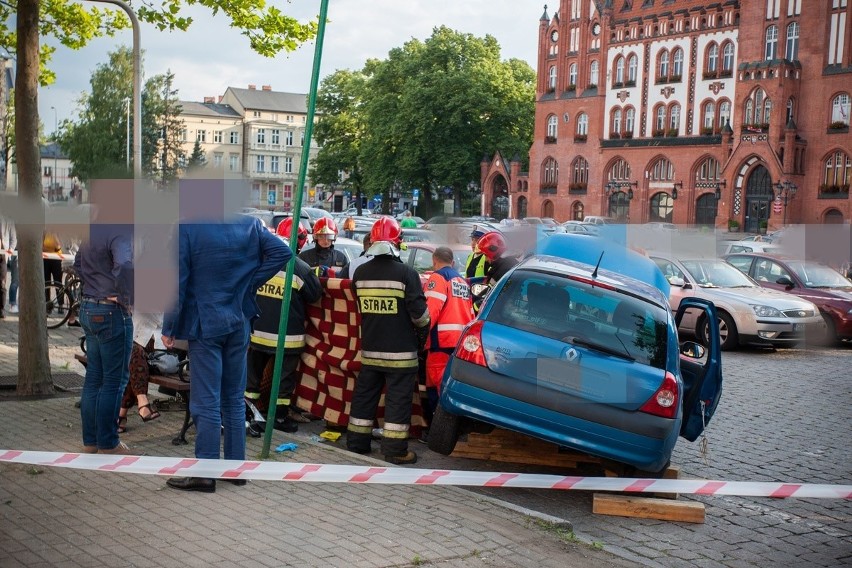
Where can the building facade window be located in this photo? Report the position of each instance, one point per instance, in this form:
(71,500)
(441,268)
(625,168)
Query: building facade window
(790,110)
(552,125)
(578,211)
(580,172)
(616,121)
(708,170)
(629,121)
(217,136)
(583,124)
(663,67)
(791,52)
(273,164)
(551,78)
(572,75)
(276,136)
(594,73)
(288,165)
(660,122)
(620,170)
(288,138)
(217,159)
(712,59)
(234,163)
(661,207)
(260,163)
(677,64)
(758,108)
(840,108)
(632,66)
(728,57)
(550,173)
(201,136)
(838,170)
(771,43)
(661,170)
(234,138)
(838,34)
(724,112)
(674,117)
(619,71)
(261,136)
(287,191)
(708,114)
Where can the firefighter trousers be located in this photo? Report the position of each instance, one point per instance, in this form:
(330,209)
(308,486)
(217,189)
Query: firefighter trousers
(365,400)
(257,362)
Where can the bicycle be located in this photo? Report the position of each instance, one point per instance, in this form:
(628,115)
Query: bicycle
(63,299)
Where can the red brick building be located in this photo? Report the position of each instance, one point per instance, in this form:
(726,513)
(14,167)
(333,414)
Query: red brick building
(688,111)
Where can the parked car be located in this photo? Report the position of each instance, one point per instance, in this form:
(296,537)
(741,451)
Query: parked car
(731,247)
(420,236)
(598,220)
(580,227)
(583,357)
(418,255)
(660,226)
(829,290)
(748,314)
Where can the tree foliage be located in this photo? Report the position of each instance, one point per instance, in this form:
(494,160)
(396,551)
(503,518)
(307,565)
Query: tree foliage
(428,113)
(197,159)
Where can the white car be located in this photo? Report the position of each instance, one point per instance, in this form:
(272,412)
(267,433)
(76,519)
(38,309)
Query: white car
(731,247)
(748,314)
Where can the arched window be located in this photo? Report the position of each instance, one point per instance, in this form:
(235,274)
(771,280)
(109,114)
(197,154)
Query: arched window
(833,217)
(552,123)
(551,81)
(579,172)
(619,71)
(708,114)
(661,207)
(840,108)
(577,211)
(632,65)
(749,111)
(616,121)
(790,109)
(674,116)
(724,112)
(661,117)
(629,120)
(583,124)
(728,57)
(708,170)
(771,44)
(550,173)
(712,58)
(838,170)
(661,170)
(594,71)
(767,110)
(572,74)
(620,171)
(664,65)
(677,64)
(792,51)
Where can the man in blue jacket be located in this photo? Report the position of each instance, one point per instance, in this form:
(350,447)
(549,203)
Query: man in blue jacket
(221,265)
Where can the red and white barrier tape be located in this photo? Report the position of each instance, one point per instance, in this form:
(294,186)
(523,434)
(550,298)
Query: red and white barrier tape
(319,473)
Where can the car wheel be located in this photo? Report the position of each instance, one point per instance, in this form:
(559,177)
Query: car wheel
(444,431)
(828,336)
(728,335)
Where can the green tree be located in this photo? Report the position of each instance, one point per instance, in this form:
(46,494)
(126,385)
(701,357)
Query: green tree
(74,25)
(167,158)
(436,107)
(339,131)
(197,160)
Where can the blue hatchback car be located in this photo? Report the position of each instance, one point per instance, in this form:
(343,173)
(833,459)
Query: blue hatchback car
(577,345)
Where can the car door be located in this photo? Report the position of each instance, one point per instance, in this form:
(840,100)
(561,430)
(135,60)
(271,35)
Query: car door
(701,371)
(767,272)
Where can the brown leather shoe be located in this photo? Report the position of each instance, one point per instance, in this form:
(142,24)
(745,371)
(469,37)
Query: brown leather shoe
(406,459)
(89,450)
(201,484)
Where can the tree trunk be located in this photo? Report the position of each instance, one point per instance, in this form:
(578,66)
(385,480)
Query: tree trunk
(33,361)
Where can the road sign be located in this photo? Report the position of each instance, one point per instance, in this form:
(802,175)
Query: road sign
(414,201)
(416,193)
(270,197)
(776,207)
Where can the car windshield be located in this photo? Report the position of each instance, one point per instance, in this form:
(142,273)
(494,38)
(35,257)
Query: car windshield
(818,276)
(607,321)
(713,273)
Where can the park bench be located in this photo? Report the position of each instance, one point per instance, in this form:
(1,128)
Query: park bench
(172,383)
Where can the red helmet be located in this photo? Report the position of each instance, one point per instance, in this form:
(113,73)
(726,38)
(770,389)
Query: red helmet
(325,226)
(386,229)
(492,245)
(284,228)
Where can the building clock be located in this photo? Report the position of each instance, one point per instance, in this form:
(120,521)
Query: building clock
(596,29)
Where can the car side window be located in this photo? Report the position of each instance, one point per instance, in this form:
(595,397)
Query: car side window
(669,269)
(743,263)
(776,271)
(422,261)
(739,248)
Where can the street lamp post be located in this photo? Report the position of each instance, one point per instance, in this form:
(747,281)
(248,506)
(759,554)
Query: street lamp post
(127,147)
(785,190)
(52,190)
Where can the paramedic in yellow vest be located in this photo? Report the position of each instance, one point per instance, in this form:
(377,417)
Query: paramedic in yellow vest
(477,264)
(264,334)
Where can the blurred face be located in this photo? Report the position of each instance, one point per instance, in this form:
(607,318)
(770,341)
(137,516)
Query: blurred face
(323,241)
(474,241)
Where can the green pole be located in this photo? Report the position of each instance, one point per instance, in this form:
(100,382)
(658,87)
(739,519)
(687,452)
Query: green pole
(294,233)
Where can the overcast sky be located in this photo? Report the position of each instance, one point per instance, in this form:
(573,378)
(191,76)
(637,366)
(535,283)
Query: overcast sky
(211,56)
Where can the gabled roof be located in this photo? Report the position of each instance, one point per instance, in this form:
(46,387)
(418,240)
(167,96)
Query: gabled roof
(208,109)
(254,99)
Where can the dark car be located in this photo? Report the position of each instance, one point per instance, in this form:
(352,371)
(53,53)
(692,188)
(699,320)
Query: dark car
(578,346)
(821,285)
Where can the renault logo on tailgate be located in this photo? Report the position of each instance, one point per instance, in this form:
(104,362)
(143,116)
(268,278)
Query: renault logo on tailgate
(571,355)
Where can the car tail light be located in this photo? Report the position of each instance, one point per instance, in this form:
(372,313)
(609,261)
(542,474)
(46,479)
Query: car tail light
(470,347)
(664,402)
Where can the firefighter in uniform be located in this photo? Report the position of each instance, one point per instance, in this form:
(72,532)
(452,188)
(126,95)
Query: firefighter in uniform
(394,327)
(450,310)
(493,247)
(477,264)
(323,255)
(264,335)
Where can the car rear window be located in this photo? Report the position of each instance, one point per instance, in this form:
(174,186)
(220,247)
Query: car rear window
(560,308)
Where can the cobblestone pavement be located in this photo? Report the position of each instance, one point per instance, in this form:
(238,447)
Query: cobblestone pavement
(61,517)
(784,416)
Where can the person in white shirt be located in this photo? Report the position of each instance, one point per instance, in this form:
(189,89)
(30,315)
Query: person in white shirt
(8,244)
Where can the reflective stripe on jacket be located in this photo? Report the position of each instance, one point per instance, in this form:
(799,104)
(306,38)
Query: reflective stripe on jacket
(450,307)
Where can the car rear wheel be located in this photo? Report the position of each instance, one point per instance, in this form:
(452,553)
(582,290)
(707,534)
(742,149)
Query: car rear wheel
(828,336)
(444,431)
(728,335)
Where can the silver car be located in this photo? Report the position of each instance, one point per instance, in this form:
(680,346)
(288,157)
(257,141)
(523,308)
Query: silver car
(748,314)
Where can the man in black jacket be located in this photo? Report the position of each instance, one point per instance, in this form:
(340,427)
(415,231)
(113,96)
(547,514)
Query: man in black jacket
(394,328)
